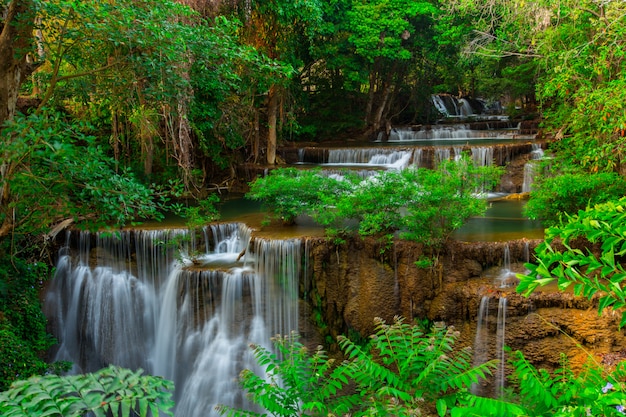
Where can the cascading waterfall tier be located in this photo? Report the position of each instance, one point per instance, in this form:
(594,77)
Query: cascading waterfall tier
(179,304)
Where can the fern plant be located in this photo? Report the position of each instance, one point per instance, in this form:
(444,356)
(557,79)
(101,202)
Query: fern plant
(296,382)
(403,371)
(594,391)
(110,391)
(406,370)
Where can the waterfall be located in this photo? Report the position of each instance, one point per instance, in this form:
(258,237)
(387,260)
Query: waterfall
(417,157)
(465,108)
(458,152)
(181,305)
(482,155)
(506,278)
(481,340)
(500,344)
(388,158)
(441,155)
(526,252)
(530,168)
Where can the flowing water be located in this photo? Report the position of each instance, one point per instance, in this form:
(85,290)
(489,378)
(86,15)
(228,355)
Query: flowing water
(178,305)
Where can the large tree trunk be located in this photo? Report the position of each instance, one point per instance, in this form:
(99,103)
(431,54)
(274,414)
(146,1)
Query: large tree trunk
(16,36)
(15,41)
(272,110)
(378,116)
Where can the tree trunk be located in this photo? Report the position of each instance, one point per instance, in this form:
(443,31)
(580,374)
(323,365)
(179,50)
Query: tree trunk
(15,41)
(370,98)
(376,123)
(272,110)
(16,37)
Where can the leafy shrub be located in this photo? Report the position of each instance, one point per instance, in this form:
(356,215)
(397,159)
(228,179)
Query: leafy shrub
(594,391)
(589,272)
(405,369)
(296,382)
(289,192)
(23,336)
(58,171)
(421,204)
(408,370)
(553,197)
(110,391)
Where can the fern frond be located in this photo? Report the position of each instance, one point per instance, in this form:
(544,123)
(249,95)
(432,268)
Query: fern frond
(464,378)
(489,407)
(535,385)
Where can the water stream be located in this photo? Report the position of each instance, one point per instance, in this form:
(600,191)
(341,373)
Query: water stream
(181,306)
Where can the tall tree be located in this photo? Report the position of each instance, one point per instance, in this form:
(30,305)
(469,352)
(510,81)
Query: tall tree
(577,49)
(17,19)
(381,33)
(279,28)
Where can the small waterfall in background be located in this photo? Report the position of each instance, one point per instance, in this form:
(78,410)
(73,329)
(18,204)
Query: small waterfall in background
(441,155)
(181,305)
(482,155)
(530,168)
(386,158)
(458,152)
(506,278)
(417,157)
(490,342)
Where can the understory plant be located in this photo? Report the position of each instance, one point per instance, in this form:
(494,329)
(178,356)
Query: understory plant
(411,370)
(587,253)
(110,391)
(289,192)
(423,205)
(404,370)
(555,196)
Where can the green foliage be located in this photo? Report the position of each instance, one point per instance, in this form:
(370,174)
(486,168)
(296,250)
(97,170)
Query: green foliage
(421,204)
(555,196)
(593,391)
(412,371)
(566,256)
(584,82)
(110,391)
(23,336)
(203,213)
(402,372)
(289,192)
(408,370)
(296,383)
(378,27)
(58,172)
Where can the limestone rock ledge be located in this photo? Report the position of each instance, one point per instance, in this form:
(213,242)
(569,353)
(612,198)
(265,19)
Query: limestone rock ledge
(349,285)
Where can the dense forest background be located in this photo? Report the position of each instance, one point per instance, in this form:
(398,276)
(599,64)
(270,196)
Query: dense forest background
(120,110)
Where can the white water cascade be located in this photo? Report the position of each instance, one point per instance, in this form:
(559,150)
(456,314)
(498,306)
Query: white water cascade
(371,157)
(481,345)
(178,305)
(500,344)
(488,344)
(530,168)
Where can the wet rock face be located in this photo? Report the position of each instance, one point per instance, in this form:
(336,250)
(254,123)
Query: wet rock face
(352,284)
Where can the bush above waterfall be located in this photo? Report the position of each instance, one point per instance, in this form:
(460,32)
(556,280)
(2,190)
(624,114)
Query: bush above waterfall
(554,197)
(422,205)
